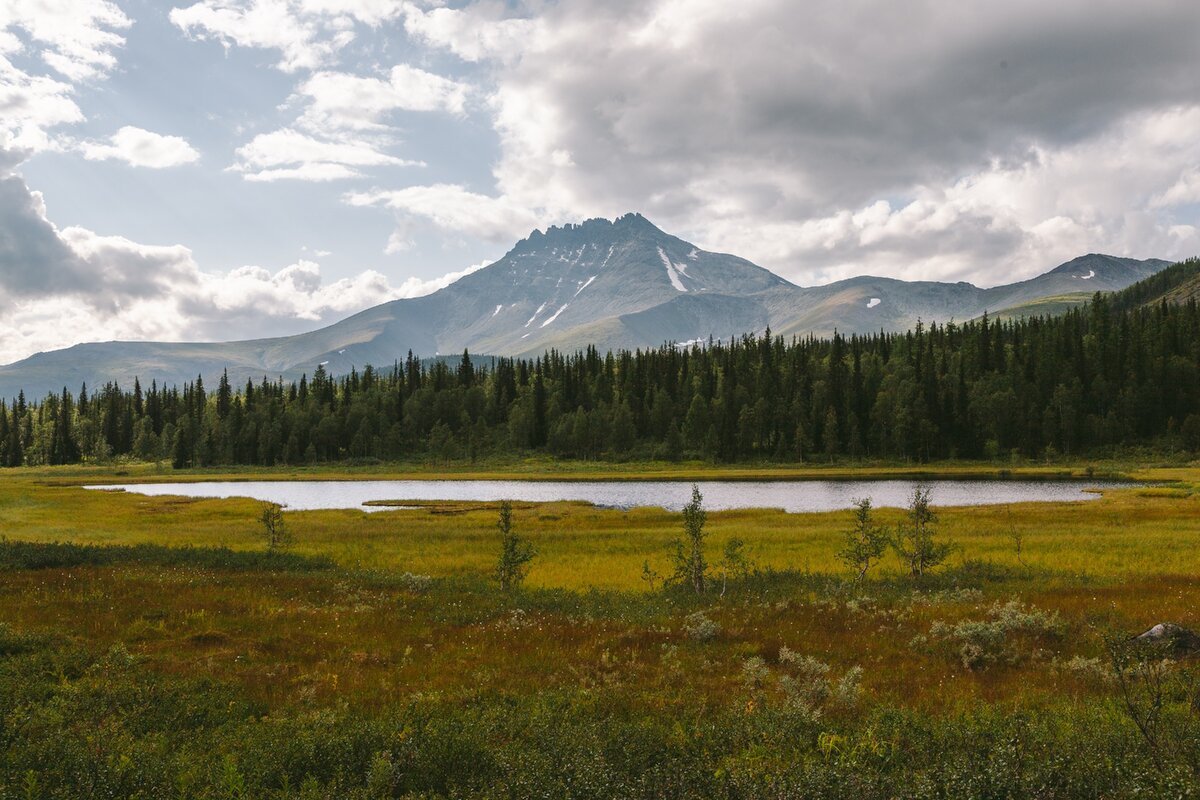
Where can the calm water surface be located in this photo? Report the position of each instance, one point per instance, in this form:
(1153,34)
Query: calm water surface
(792,496)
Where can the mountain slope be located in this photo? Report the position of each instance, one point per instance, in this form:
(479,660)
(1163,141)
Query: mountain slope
(619,284)
(1178,283)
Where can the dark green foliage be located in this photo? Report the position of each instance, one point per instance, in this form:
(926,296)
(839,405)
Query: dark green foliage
(37,555)
(82,724)
(1123,371)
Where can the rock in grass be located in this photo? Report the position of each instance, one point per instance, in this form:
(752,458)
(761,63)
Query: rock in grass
(1181,642)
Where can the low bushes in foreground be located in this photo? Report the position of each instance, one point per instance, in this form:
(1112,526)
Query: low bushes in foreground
(80,724)
(16,555)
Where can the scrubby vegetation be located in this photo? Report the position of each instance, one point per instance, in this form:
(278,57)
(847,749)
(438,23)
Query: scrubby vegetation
(157,647)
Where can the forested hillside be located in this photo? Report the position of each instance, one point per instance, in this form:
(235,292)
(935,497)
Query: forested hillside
(1124,370)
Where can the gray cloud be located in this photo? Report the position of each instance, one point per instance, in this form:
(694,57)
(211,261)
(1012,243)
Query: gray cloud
(1002,136)
(830,104)
(33,259)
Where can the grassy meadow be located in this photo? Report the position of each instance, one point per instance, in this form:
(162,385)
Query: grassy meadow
(151,647)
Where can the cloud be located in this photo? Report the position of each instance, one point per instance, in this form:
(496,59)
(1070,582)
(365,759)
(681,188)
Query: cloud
(29,243)
(1183,191)
(58,288)
(341,101)
(142,148)
(304,42)
(76,38)
(345,125)
(307,33)
(418,287)
(817,141)
(453,208)
(485,31)
(290,154)
(30,106)
(369,12)
(1009,221)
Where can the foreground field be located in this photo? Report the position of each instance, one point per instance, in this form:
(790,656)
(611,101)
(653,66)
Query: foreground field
(163,653)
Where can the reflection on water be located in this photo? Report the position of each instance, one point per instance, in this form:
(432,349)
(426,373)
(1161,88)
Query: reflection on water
(792,496)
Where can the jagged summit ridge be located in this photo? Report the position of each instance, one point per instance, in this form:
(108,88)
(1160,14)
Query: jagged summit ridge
(593,229)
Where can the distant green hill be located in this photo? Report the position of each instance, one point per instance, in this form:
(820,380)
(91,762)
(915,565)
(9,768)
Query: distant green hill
(1178,283)
(1050,306)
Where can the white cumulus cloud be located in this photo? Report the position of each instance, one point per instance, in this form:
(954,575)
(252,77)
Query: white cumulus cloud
(339,100)
(303,41)
(142,148)
(453,208)
(290,154)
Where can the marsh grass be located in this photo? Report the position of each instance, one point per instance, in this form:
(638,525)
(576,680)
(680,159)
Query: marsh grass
(378,658)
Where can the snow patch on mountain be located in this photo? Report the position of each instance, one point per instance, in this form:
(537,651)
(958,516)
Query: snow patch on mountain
(585,285)
(556,313)
(540,309)
(497,311)
(874,301)
(672,273)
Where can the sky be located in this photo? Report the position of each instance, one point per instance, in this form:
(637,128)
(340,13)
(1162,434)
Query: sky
(229,169)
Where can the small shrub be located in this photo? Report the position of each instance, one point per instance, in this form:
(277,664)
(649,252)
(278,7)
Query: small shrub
(808,686)
(997,639)
(1089,669)
(865,542)
(944,596)
(755,674)
(915,541)
(734,562)
(650,576)
(414,583)
(699,628)
(515,553)
(278,535)
(691,568)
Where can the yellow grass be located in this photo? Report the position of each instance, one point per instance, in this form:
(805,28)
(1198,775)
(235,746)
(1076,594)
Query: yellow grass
(1126,560)
(1127,533)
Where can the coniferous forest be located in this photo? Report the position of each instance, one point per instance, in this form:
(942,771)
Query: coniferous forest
(1116,373)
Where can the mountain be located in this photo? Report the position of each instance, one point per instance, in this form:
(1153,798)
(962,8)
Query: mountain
(1178,283)
(618,284)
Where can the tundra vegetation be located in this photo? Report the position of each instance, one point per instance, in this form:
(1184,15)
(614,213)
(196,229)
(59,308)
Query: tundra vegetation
(158,647)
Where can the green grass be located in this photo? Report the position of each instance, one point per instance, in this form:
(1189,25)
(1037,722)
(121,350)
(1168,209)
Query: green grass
(1128,533)
(550,469)
(1050,306)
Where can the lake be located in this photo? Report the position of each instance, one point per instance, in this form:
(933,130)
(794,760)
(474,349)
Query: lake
(792,496)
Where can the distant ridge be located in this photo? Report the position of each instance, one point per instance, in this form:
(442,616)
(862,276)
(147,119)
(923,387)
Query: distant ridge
(1178,283)
(619,284)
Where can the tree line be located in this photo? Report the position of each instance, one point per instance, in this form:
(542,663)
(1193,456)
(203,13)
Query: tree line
(1101,377)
